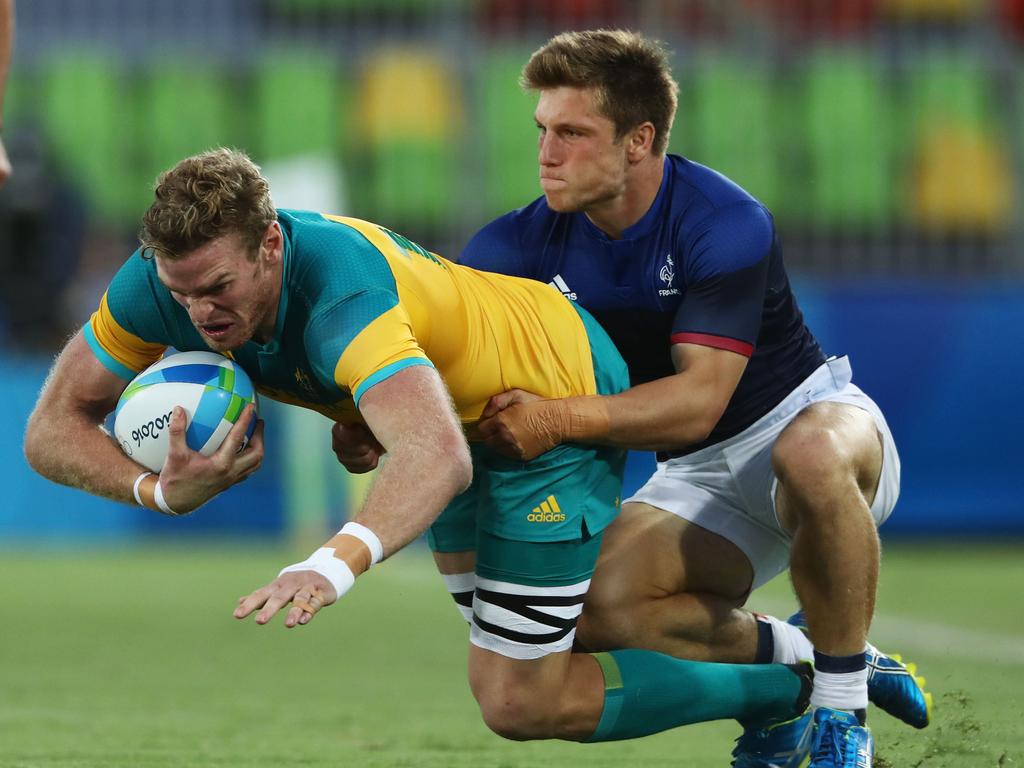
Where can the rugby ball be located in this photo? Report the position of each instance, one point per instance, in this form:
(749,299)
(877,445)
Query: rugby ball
(212,389)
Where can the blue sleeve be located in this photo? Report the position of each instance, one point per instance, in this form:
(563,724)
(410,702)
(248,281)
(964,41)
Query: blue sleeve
(726,274)
(497,248)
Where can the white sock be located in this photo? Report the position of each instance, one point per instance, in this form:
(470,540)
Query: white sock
(843,690)
(791,644)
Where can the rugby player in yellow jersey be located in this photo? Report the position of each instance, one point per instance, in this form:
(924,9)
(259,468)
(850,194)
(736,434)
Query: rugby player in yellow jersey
(357,322)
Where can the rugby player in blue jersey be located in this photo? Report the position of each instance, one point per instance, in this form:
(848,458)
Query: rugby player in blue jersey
(769,457)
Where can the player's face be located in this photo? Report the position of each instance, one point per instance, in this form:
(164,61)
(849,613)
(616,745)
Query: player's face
(582,166)
(230,297)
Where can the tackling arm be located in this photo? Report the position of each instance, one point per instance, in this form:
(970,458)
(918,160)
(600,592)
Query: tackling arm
(668,413)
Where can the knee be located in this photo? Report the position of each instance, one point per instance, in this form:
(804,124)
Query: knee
(513,712)
(809,458)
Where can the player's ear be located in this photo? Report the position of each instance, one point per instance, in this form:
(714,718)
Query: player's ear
(272,244)
(640,142)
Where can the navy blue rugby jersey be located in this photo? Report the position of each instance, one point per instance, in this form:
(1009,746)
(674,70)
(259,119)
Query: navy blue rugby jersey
(703,266)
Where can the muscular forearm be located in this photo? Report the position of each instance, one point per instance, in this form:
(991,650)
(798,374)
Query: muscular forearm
(658,416)
(95,463)
(413,484)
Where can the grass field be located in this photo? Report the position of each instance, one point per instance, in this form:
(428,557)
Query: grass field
(133,659)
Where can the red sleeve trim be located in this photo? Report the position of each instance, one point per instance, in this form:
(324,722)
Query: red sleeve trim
(718,342)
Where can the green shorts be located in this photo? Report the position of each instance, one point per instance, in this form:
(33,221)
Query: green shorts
(539,522)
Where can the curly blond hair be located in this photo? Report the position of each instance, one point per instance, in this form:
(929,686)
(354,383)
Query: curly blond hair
(630,73)
(214,193)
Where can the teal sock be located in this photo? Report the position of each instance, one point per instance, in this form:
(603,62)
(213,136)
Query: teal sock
(647,692)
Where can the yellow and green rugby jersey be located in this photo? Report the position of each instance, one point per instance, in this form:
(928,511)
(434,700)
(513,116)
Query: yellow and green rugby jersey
(359,303)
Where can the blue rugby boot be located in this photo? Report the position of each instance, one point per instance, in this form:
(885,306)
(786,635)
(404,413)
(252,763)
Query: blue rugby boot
(779,745)
(838,740)
(893,686)
(782,745)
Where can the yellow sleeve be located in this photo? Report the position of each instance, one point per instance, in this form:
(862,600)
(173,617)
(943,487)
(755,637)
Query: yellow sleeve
(122,353)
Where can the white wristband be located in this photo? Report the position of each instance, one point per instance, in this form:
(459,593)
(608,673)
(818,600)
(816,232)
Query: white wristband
(334,569)
(158,497)
(368,537)
(135,488)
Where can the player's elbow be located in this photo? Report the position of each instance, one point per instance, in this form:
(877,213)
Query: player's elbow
(700,430)
(37,443)
(456,459)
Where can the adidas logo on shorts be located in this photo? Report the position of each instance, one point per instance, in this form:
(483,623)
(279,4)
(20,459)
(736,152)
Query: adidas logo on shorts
(547,512)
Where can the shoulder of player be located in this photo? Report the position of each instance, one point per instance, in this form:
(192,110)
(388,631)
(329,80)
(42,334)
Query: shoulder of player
(702,191)
(137,278)
(506,243)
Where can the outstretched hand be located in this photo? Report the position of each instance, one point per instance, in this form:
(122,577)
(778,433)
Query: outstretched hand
(307,591)
(189,479)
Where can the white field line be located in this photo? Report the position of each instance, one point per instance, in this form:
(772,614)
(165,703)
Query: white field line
(890,633)
(908,636)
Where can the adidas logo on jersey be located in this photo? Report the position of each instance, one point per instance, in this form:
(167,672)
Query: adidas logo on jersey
(560,285)
(547,512)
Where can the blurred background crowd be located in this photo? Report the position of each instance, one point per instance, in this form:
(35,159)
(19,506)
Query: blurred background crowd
(887,137)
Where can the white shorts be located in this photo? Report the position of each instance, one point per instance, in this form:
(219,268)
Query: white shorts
(729,488)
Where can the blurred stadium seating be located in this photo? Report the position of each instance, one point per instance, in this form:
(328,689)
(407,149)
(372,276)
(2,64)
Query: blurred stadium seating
(888,127)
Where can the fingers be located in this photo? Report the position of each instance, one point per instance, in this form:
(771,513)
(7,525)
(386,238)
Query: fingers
(497,403)
(306,598)
(176,432)
(249,603)
(235,439)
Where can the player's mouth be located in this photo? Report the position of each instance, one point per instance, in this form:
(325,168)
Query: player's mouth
(215,331)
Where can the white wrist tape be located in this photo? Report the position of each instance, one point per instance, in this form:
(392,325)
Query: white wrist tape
(158,497)
(330,567)
(368,537)
(135,488)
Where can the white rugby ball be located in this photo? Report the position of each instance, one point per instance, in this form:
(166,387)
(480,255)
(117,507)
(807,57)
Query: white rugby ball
(212,389)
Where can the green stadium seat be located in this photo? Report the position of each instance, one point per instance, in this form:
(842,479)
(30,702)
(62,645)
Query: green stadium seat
(85,116)
(188,108)
(850,143)
(509,132)
(729,124)
(409,114)
(297,106)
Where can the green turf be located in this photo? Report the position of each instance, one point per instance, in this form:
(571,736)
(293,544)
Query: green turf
(133,659)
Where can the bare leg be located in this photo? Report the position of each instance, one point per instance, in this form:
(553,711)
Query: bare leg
(665,584)
(828,461)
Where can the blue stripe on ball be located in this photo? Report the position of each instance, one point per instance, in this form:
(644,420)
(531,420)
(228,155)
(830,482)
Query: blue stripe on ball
(207,417)
(192,373)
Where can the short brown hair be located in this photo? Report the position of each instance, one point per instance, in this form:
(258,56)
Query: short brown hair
(630,72)
(214,193)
